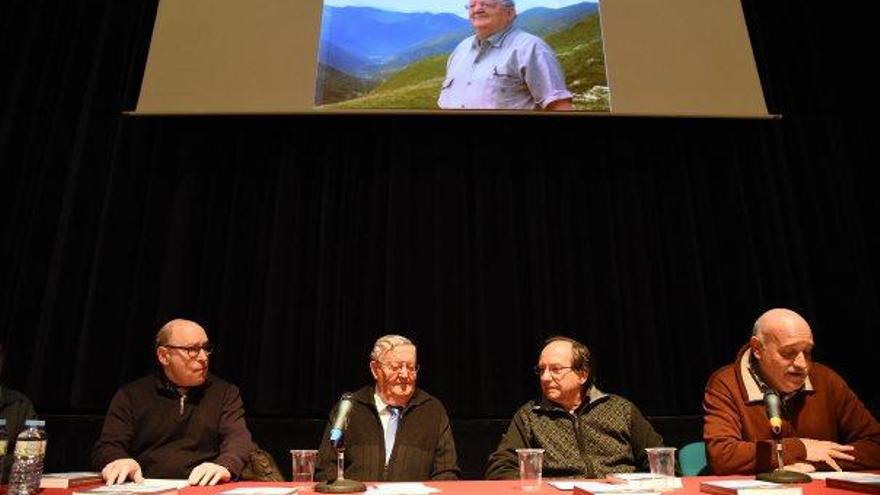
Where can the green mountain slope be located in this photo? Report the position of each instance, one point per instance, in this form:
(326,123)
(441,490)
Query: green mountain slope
(334,85)
(415,86)
(579,51)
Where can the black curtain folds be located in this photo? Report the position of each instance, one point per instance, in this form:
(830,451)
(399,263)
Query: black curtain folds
(299,240)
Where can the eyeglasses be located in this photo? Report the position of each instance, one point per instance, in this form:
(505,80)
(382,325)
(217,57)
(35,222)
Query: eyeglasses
(192,351)
(483,5)
(398,367)
(555,372)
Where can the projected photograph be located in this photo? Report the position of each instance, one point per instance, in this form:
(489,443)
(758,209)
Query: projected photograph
(461,54)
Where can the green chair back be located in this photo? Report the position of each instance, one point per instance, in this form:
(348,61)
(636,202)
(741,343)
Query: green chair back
(692,459)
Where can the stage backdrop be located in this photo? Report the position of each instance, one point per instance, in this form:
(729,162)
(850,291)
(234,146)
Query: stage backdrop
(297,241)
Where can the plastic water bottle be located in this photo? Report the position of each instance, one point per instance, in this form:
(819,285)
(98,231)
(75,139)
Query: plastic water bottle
(3,443)
(27,465)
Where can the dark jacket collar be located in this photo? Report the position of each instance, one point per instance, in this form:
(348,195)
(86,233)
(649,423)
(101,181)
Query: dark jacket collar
(594,396)
(167,388)
(364,395)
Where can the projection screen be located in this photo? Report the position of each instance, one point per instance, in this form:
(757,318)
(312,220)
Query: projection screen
(650,57)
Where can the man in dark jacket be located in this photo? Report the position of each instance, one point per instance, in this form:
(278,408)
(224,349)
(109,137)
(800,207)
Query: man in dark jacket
(396,432)
(584,432)
(181,422)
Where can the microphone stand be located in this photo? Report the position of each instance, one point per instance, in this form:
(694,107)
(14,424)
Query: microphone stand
(340,484)
(781,475)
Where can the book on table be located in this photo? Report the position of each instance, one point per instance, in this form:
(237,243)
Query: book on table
(70,479)
(821,475)
(748,487)
(860,482)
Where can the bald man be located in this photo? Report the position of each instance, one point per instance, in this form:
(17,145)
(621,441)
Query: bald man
(180,422)
(825,425)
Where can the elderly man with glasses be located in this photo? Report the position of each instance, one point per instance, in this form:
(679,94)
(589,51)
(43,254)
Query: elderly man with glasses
(502,66)
(585,433)
(180,422)
(396,431)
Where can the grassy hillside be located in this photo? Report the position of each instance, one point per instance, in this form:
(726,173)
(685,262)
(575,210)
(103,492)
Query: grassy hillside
(579,51)
(415,86)
(335,86)
(578,48)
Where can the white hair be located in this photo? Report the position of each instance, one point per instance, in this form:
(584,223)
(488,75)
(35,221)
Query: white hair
(386,343)
(758,330)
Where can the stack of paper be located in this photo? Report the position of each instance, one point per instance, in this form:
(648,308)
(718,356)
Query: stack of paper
(401,489)
(648,481)
(148,487)
(261,490)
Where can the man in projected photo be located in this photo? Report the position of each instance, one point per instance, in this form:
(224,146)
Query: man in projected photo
(502,66)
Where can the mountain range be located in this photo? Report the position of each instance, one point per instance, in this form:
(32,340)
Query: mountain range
(362,40)
(366,41)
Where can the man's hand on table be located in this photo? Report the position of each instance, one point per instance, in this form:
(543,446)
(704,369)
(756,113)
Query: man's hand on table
(827,452)
(208,473)
(120,470)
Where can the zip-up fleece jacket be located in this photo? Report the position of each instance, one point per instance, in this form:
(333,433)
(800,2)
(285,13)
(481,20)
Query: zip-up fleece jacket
(169,434)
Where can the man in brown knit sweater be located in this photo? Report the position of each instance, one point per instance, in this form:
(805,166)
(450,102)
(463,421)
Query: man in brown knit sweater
(396,431)
(825,425)
(584,432)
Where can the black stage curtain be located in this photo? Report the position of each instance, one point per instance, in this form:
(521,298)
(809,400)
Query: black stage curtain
(299,240)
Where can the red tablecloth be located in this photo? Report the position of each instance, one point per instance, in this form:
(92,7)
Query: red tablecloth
(691,487)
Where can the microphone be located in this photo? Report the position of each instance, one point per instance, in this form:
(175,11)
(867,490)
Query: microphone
(343,408)
(780,474)
(340,484)
(774,410)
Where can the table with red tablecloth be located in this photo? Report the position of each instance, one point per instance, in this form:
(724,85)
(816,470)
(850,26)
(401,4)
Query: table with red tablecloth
(691,487)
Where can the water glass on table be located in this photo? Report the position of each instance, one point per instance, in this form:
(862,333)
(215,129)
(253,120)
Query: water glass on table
(530,467)
(303,464)
(661,460)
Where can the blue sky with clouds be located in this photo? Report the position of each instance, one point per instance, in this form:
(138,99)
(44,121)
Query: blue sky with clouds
(438,6)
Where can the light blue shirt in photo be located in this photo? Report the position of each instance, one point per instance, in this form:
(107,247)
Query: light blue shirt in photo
(511,69)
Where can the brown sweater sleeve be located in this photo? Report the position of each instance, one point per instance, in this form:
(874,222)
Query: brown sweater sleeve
(235,444)
(116,433)
(857,427)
